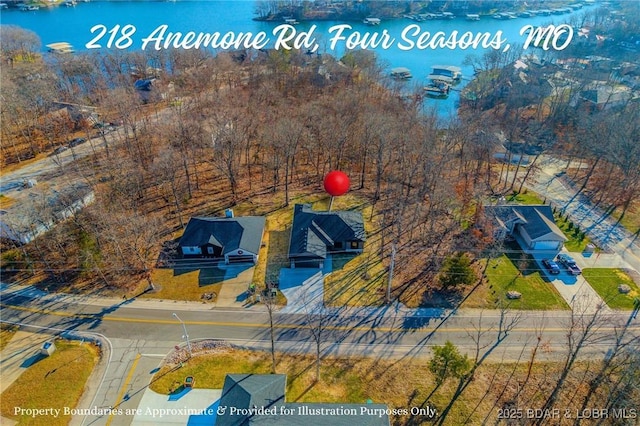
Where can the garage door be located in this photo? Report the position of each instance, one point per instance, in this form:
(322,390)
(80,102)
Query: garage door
(307,264)
(241,259)
(546,245)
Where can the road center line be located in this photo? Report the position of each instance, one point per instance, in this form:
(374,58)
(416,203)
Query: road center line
(124,386)
(432,329)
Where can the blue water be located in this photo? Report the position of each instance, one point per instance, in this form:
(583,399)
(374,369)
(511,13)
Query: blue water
(74,24)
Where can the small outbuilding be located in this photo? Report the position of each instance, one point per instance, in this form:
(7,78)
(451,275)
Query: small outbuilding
(48,348)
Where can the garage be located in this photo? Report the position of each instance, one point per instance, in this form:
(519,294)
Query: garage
(307,263)
(241,259)
(546,245)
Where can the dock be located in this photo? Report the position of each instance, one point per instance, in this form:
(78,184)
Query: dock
(60,47)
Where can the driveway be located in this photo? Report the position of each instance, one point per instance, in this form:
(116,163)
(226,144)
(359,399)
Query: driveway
(600,227)
(575,290)
(237,278)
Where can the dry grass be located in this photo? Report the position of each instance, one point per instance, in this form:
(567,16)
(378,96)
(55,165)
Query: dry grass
(8,168)
(361,281)
(6,334)
(631,219)
(5,202)
(174,284)
(53,382)
(357,280)
(400,384)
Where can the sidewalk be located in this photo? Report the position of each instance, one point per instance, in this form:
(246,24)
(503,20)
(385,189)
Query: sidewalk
(16,357)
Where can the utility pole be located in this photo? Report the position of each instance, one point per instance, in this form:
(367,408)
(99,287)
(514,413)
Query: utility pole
(393,262)
(186,335)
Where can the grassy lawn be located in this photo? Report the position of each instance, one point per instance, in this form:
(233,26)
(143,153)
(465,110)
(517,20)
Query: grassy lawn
(577,239)
(515,271)
(525,197)
(358,280)
(347,380)
(399,383)
(184,284)
(605,282)
(56,381)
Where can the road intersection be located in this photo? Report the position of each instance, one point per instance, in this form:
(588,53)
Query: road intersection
(137,335)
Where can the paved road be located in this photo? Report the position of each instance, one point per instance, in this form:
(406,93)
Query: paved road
(141,332)
(600,227)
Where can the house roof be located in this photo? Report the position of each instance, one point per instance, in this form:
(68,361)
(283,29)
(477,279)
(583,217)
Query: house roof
(536,220)
(602,93)
(264,391)
(245,391)
(228,233)
(313,231)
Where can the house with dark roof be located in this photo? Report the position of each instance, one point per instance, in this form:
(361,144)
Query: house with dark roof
(234,239)
(532,226)
(315,234)
(259,399)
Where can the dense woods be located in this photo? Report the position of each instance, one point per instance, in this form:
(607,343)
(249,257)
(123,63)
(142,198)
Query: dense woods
(208,131)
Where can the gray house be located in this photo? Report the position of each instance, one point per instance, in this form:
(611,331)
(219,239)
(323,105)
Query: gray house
(314,234)
(42,210)
(259,399)
(234,239)
(532,226)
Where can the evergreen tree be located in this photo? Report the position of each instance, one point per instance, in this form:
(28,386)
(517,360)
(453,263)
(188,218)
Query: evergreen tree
(448,362)
(457,270)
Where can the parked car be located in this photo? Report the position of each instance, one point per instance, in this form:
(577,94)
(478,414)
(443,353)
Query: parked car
(59,150)
(105,127)
(565,259)
(569,263)
(573,269)
(551,266)
(76,142)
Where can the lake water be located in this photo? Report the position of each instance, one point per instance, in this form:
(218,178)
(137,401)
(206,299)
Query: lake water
(74,24)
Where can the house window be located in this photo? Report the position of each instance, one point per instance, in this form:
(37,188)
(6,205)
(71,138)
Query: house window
(355,245)
(210,250)
(338,245)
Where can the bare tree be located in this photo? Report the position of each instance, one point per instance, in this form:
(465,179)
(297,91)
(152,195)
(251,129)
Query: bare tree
(582,329)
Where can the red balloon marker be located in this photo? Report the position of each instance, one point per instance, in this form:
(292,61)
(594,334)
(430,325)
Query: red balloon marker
(336,183)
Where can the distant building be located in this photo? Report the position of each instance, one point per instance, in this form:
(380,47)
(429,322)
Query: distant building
(42,211)
(314,234)
(603,95)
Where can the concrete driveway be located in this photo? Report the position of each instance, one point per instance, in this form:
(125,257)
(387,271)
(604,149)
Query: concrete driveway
(575,290)
(304,288)
(236,281)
